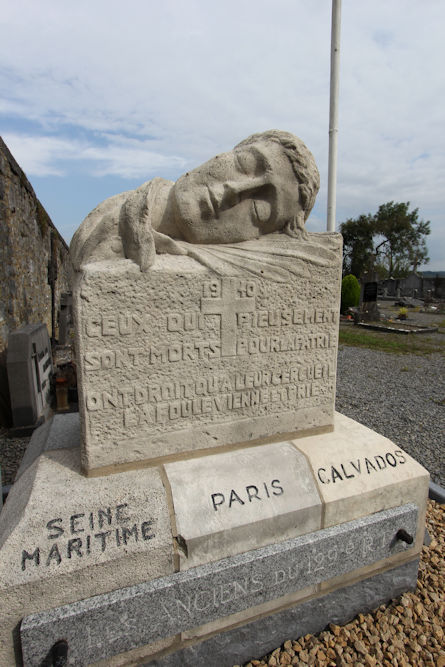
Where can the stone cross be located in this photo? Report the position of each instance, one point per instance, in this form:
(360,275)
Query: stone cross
(228,306)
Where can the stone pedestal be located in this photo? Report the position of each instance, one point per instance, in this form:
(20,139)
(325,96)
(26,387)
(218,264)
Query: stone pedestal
(189,358)
(205,560)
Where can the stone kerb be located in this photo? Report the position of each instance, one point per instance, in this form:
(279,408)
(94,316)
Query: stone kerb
(183,359)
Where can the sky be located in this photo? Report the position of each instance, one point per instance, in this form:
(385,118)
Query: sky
(98,96)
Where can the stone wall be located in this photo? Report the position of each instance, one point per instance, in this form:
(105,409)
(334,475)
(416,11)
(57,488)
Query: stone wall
(34,265)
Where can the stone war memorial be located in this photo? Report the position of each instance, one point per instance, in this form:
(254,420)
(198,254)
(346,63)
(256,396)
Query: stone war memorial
(207,502)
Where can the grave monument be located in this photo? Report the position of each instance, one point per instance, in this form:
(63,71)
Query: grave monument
(208,503)
(369,311)
(29,365)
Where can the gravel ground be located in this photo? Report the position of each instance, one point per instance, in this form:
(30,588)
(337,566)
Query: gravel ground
(401,396)
(11,454)
(407,631)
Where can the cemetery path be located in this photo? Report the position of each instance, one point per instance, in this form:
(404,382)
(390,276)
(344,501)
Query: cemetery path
(400,396)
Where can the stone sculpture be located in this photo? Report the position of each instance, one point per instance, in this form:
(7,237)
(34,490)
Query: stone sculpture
(266,184)
(209,268)
(223,503)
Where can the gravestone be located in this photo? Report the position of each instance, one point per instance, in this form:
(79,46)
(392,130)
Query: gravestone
(210,501)
(29,365)
(368,298)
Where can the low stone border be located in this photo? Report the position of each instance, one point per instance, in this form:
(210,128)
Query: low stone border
(437,493)
(389,329)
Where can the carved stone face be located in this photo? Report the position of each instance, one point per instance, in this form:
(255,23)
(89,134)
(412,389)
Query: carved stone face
(240,195)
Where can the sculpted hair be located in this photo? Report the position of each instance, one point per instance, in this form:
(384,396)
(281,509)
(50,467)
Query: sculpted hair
(301,159)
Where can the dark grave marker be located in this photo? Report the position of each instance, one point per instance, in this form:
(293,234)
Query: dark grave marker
(370,292)
(30,367)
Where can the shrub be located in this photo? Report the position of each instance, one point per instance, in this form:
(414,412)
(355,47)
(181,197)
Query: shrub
(350,292)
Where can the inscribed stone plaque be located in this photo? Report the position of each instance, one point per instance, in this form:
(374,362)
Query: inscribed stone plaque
(71,523)
(237,501)
(184,357)
(359,471)
(30,367)
(124,619)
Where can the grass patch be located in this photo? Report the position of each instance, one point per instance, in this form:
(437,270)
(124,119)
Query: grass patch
(394,343)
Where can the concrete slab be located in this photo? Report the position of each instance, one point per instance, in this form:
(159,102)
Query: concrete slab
(51,556)
(229,503)
(64,537)
(358,472)
(60,432)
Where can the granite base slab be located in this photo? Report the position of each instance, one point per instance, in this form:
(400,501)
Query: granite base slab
(255,639)
(158,609)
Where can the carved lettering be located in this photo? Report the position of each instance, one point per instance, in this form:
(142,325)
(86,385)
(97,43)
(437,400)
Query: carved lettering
(34,556)
(199,396)
(227,307)
(354,468)
(250,493)
(208,351)
(114,531)
(116,324)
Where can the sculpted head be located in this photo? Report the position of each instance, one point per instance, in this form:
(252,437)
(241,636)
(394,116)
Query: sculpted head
(267,183)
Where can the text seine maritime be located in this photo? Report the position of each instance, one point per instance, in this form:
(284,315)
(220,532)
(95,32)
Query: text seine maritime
(86,533)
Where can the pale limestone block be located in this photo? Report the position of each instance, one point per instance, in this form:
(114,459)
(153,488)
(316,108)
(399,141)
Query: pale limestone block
(70,522)
(186,358)
(229,503)
(64,537)
(359,472)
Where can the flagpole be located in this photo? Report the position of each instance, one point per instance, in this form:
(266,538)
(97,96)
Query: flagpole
(333,114)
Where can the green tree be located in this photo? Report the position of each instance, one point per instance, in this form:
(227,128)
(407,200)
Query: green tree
(358,244)
(402,244)
(350,292)
(391,242)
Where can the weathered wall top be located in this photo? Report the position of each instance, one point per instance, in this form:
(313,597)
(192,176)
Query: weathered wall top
(34,263)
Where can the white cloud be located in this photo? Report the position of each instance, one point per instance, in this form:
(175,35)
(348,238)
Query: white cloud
(137,88)
(40,155)
(50,156)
